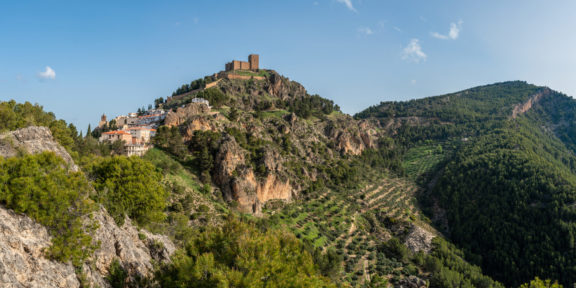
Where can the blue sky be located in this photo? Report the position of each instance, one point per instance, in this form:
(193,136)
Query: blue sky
(80,59)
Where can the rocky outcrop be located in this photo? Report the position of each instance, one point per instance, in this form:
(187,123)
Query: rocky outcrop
(33,140)
(239,182)
(22,264)
(135,249)
(411,282)
(274,188)
(524,107)
(283,88)
(419,240)
(182,114)
(352,137)
(23,241)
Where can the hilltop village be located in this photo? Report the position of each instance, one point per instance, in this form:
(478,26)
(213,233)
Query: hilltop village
(136,129)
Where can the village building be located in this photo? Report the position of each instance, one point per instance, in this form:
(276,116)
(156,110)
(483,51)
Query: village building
(118,135)
(136,149)
(201,101)
(141,134)
(150,120)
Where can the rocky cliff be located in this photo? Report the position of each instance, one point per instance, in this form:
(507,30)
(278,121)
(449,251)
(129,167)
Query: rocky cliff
(273,154)
(23,241)
(33,140)
(524,107)
(239,182)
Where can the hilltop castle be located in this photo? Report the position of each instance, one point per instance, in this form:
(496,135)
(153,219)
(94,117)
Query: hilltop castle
(252,64)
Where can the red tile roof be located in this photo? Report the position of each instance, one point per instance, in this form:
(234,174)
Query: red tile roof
(120,132)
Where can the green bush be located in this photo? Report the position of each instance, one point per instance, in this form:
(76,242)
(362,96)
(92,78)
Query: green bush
(117,275)
(41,187)
(239,255)
(129,186)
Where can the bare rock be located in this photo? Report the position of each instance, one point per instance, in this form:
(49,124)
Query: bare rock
(23,241)
(183,113)
(33,140)
(239,182)
(412,282)
(125,244)
(22,264)
(419,240)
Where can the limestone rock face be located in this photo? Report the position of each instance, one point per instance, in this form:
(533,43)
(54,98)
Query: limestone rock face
(352,137)
(124,243)
(419,240)
(283,88)
(34,140)
(22,263)
(23,241)
(182,114)
(524,107)
(239,182)
(412,282)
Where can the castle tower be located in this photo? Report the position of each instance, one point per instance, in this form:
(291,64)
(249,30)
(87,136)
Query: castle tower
(254,60)
(103,121)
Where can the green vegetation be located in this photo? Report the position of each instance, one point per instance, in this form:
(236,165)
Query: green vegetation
(311,105)
(117,275)
(506,188)
(170,139)
(41,187)
(261,73)
(448,268)
(240,255)
(129,186)
(194,85)
(419,162)
(538,283)
(507,183)
(14,116)
(214,95)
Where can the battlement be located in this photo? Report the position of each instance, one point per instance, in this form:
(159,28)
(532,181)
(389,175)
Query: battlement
(252,64)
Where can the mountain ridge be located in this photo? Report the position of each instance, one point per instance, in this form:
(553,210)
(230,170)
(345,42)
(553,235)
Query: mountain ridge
(356,192)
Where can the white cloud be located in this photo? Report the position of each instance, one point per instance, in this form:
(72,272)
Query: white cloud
(348,4)
(397,29)
(365,31)
(413,52)
(49,73)
(413,82)
(453,34)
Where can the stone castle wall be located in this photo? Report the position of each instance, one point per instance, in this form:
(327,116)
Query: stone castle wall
(242,77)
(252,64)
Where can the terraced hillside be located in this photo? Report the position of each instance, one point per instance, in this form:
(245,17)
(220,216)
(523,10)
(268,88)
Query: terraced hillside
(354,223)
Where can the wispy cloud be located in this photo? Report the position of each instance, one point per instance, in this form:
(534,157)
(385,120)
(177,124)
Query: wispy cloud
(365,31)
(49,73)
(348,4)
(453,34)
(413,52)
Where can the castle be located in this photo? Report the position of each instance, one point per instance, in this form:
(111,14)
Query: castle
(252,64)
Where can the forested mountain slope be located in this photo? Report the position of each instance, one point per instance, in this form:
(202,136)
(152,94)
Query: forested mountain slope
(505,186)
(273,186)
(301,165)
